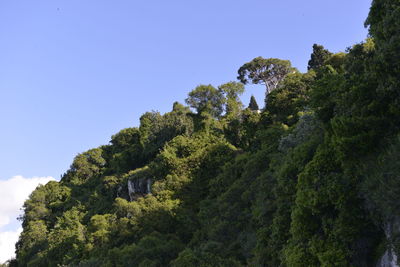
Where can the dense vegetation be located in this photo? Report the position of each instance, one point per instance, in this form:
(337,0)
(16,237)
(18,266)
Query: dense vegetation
(309,180)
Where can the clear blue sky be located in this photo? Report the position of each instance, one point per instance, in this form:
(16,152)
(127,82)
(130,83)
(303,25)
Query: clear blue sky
(74,72)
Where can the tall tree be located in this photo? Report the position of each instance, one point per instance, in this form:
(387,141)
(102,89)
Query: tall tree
(318,57)
(253,104)
(267,71)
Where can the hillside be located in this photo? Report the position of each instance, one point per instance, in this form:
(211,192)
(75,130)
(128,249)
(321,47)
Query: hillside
(310,179)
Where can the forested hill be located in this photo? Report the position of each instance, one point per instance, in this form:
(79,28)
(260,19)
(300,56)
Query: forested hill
(308,178)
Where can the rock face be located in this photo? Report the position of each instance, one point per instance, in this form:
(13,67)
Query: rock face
(389,258)
(138,188)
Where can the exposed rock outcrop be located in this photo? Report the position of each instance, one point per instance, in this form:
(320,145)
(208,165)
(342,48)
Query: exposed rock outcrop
(389,258)
(138,188)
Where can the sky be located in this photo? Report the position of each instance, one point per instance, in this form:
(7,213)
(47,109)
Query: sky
(73,72)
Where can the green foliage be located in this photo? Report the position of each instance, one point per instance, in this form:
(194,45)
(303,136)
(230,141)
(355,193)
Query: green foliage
(297,155)
(384,24)
(156,130)
(336,61)
(267,71)
(99,229)
(201,258)
(253,104)
(126,150)
(207,99)
(380,187)
(67,239)
(312,180)
(85,166)
(286,103)
(234,111)
(318,57)
(325,92)
(381,179)
(232,91)
(153,250)
(306,125)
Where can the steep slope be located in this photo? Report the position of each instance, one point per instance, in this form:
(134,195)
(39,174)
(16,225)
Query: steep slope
(311,180)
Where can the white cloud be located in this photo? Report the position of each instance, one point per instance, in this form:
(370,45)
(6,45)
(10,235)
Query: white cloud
(7,244)
(13,193)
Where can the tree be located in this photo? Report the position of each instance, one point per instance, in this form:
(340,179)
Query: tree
(232,91)
(126,150)
(318,57)
(337,61)
(290,99)
(253,104)
(206,98)
(125,138)
(156,129)
(85,166)
(267,71)
(179,108)
(384,24)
